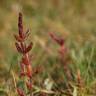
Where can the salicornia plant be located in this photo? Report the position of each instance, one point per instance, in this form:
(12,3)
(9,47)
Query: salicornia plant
(25,64)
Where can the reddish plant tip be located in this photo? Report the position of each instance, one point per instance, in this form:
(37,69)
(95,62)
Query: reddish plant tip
(20,25)
(61,42)
(20,18)
(57,39)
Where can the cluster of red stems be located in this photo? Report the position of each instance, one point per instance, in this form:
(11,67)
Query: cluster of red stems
(23,48)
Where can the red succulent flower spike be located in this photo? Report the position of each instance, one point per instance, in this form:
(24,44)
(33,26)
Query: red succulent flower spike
(60,41)
(20,25)
(20,92)
(25,65)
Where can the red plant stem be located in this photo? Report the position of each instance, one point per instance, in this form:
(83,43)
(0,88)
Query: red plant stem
(62,52)
(22,48)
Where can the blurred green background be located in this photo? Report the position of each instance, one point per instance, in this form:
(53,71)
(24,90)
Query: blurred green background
(75,20)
